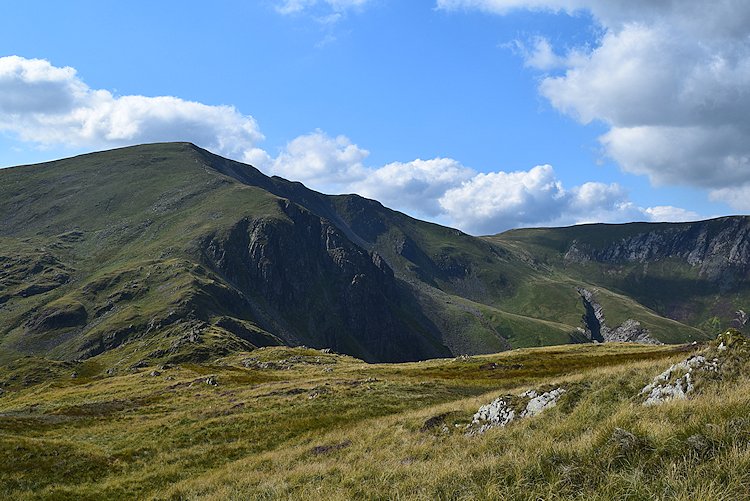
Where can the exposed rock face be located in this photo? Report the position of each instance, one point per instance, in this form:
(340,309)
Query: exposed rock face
(719,248)
(630,331)
(316,287)
(593,319)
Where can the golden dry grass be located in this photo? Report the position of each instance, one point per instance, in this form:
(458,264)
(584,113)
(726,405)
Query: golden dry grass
(331,427)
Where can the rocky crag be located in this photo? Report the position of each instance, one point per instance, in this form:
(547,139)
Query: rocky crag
(697,273)
(597,330)
(719,249)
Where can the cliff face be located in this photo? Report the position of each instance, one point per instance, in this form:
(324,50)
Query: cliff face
(697,273)
(597,330)
(719,250)
(313,286)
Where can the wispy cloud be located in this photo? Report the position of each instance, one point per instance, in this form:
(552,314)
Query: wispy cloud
(330,10)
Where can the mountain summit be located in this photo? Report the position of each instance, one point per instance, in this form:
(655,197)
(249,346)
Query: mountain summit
(169,252)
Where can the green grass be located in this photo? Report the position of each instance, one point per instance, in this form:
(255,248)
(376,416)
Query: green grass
(122,226)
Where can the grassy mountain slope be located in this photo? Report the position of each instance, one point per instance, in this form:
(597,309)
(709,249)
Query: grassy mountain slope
(442,267)
(150,299)
(448,268)
(695,273)
(280,423)
(152,245)
(169,252)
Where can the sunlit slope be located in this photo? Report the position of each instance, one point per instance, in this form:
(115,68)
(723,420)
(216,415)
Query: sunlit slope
(154,244)
(281,423)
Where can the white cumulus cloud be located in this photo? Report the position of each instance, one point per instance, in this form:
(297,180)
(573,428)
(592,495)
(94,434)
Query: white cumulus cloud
(671,214)
(48,105)
(496,201)
(505,199)
(415,187)
(328,163)
(444,190)
(669,79)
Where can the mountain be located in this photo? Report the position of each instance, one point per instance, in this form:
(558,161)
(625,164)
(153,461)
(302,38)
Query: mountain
(167,252)
(696,273)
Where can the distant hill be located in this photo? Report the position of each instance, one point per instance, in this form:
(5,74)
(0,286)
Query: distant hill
(166,252)
(696,273)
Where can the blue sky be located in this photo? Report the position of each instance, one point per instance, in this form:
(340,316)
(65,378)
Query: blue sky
(480,114)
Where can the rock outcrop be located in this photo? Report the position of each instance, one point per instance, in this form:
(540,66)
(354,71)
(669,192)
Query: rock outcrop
(540,402)
(677,382)
(596,329)
(719,361)
(496,413)
(313,286)
(502,411)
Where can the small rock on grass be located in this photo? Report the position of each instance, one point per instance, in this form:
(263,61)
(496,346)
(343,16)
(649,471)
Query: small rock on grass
(324,449)
(500,412)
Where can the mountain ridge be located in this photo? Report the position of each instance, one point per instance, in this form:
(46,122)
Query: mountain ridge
(168,251)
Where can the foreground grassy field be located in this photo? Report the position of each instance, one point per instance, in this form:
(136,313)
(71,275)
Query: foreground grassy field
(295,423)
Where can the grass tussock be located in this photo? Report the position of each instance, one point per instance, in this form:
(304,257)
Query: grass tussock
(285,423)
